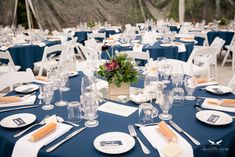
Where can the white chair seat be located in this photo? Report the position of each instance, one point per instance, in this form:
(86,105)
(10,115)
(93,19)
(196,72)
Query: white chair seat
(6,69)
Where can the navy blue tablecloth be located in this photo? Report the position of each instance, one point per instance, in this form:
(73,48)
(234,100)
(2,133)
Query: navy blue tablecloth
(26,55)
(82,144)
(227,36)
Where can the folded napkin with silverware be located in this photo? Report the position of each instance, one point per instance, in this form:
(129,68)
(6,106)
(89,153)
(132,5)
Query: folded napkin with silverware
(10,101)
(30,144)
(219,104)
(167,141)
(204,81)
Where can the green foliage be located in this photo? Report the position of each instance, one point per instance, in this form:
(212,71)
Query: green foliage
(223,21)
(118,70)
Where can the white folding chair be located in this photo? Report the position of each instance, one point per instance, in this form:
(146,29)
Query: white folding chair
(229,48)
(48,59)
(12,78)
(218,44)
(205,65)
(10,67)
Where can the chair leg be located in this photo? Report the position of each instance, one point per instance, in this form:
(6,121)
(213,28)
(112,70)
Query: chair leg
(225,58)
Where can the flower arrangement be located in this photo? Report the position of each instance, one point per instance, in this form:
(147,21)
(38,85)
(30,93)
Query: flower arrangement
(119,69)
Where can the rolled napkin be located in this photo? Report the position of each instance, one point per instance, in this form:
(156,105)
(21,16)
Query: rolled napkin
(9,99)
(42,78)
(17,101)
(202,80)
(227,105)
(43,131)
(24,147)
(167,132)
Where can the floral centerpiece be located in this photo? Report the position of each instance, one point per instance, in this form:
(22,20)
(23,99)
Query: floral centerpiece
(118,71)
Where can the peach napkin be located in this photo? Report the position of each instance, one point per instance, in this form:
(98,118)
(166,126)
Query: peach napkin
(167,132)
(202,80)
(9,99)
(42,78)
(227,105)
(43,131)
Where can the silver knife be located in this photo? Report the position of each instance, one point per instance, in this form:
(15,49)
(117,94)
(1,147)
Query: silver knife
(181,130)
(66,139)
(18,108)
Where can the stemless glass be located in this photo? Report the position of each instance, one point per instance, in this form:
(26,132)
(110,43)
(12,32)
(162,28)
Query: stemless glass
(150,86)
(177,76)
(63,78)
(190,84)
(48,93)
(165,104)
(89,101)
(167,71)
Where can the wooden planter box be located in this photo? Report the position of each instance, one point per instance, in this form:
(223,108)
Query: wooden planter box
(114,91)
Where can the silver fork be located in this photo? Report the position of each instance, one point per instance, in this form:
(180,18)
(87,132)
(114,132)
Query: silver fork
(134,134)
(36,124)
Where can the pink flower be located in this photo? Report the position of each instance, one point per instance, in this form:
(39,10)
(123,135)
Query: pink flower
(111,66)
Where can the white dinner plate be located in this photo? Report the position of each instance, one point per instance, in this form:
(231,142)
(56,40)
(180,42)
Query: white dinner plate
(219,90)
(27,88)
(214,117)
(18,120)
(125,45)
(114,142)
(73,73)
(165,45)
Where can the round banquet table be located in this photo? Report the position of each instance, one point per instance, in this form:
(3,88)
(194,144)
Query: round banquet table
(226,35)
(156,51)
(26,55)
(82,144)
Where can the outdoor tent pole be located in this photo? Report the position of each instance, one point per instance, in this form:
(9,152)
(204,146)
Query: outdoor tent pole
(14,16)
(28,14)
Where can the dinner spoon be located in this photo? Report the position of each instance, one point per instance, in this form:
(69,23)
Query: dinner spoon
(61,120)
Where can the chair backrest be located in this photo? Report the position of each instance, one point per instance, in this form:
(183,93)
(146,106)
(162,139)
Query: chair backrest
(6,55)
(218,44)
(12,78)
(232,82)
(93,44)
(205,51)
(89,53)
(96,35)
(48,54)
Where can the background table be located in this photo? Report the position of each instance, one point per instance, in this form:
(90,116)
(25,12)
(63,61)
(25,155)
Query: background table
(226,35)
(156,51)
(82,144)
(26,55)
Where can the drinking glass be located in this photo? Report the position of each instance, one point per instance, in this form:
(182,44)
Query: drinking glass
(89,101)
(63,78)
(150,86)
(165,104)
(190,84)
(177,76)
(161,61)
(47,95)
(167,72)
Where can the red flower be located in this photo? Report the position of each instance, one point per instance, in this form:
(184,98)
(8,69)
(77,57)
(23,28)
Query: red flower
(110,66)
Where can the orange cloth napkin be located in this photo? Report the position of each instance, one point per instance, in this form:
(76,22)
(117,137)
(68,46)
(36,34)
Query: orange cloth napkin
(223,102)
(9,99)
(166,131)
(202,80)
(42,78)
(43,132)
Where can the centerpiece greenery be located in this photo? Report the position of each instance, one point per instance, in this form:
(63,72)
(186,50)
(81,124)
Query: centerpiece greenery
(119,69)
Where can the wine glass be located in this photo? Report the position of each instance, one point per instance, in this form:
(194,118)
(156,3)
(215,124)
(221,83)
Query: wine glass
(47,95)
(167,71)
(150,86)
(89,101)
(63,78)
(190,84)
(165,104)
